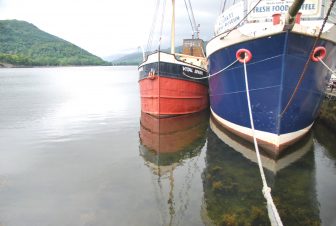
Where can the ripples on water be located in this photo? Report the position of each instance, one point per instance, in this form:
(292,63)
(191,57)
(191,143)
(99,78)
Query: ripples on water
(76,150)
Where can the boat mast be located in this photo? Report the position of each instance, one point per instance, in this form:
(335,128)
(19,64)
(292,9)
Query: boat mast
(292,11)
(172,45)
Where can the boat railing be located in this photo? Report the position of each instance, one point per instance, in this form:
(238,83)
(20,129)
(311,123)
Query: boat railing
(189,56)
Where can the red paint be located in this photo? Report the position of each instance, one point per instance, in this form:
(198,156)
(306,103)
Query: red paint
(170,96)
(318,54)
(276,18)
(243,55)
(298,18)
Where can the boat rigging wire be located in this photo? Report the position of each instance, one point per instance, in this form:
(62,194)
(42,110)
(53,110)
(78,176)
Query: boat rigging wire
(191,17)
(274,218)
(222,5)
(162,21)
(191,24)
(308,60)
(150,38)
(154,23)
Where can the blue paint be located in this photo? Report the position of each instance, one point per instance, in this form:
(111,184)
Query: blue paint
(273,73)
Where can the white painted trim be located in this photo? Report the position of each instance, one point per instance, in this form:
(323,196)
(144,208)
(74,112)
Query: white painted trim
(271,138)
(251,31)
(168,58)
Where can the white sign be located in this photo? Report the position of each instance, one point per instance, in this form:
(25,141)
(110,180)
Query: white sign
(230,18)
(266,8)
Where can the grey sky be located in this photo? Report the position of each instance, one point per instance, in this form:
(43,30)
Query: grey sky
(106,27)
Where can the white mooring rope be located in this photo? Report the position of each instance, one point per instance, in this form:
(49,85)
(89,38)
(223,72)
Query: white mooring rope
(272,210)
(211,74)
(325,65)
(216,73)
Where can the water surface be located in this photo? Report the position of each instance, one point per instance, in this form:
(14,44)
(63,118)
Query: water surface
(76,150)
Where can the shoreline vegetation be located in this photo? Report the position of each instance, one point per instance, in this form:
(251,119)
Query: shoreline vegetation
(328,113)
(22,44)
(18,60)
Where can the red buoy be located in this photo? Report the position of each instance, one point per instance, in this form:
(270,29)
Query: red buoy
(318,54)
(243,55)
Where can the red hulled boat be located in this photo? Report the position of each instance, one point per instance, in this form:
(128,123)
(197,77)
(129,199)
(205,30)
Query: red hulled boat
(170,83)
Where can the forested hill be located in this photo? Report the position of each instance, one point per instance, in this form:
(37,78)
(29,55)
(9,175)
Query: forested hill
(23,44)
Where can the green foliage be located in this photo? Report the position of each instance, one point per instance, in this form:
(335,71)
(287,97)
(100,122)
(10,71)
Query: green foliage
(328,113)
(22,43)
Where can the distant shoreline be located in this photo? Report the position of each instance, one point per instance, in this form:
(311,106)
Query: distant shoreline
(7,66)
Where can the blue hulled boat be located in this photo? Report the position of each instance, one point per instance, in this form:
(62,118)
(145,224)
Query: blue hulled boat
(288,65)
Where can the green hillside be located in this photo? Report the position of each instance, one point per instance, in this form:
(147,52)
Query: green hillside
(23,44)
(129,59)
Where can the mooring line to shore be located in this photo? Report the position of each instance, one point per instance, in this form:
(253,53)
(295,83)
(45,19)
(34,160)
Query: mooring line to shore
(326,66)
(266,190)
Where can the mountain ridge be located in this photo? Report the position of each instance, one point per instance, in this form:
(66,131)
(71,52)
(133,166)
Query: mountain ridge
(24,44)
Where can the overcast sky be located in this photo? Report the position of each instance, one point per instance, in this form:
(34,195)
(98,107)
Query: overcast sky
(107,27)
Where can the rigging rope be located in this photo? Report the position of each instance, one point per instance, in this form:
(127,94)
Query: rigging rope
(191,24)
(221,7)
(307,62)
(150,38)
(275,218)
(162,20)
(191,17)
(155,20)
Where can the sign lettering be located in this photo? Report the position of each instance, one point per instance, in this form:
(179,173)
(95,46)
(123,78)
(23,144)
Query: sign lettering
(230,18)
(195,71)
(266,8)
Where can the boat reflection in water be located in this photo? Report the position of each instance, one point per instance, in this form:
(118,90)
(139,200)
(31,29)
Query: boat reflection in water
(233,187)
(171,148)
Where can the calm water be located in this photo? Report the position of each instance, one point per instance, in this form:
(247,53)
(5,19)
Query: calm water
(76,150)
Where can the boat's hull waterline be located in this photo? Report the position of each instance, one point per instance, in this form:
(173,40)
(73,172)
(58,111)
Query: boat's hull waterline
(278,61)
